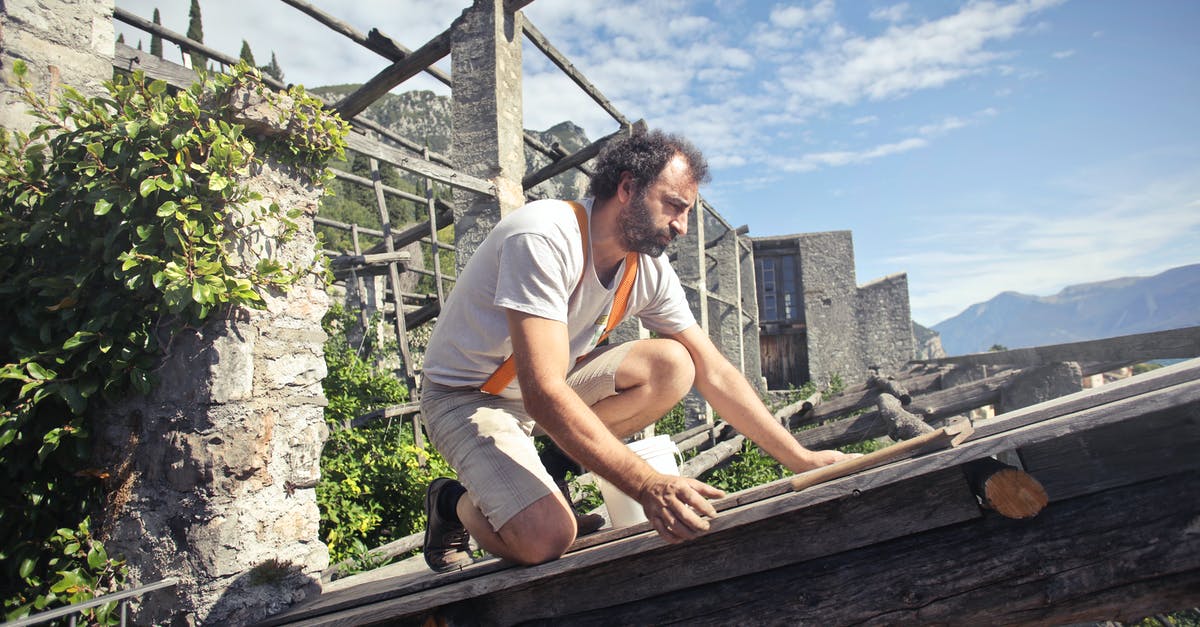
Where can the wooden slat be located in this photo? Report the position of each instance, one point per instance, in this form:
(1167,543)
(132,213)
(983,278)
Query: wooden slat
(578,157)
(557,58)
(126,59)
(396,73)
(1118,555)
(932,441)
(1174,344)
(417,165)
(782,530)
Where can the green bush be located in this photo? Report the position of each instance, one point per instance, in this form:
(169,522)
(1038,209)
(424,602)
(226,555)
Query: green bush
(372,479)
(120,219)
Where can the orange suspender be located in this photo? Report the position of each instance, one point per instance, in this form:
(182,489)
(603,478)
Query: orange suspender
(507,370)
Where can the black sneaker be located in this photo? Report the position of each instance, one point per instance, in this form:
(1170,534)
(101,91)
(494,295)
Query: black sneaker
(447,543)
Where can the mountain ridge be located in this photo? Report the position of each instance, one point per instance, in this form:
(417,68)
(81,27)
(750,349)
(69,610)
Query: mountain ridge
(1085,311)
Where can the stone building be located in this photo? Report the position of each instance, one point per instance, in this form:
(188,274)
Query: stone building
(816,322)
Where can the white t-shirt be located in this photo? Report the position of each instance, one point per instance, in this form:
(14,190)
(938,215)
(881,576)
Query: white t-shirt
(533,262)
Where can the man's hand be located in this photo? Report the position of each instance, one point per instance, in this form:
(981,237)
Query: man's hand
(816,459)
(675,506)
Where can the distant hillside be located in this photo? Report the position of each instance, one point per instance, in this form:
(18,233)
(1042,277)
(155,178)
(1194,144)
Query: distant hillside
(424,117)
(1169,300)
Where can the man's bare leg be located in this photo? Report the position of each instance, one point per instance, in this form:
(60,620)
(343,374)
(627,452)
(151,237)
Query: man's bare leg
(652,378)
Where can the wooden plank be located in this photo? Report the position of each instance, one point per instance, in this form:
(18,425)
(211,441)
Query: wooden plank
(366,182)
(1085,399)
(1152,446)
(471,581)
(952,435)
(362,144)
(396,73)
(779,538)
(185,43)
(126,59)
(1117,555)
(557,58)
(376,42)
(578,157)
(1174,344)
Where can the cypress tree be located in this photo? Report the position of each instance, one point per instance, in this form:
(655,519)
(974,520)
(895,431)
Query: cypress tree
(155,40)
(121,38)
(195,32)
(272,69)
(246,55)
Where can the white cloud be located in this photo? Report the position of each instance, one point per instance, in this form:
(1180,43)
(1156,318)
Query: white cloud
(1099,234)
(798,17)
(817,160)
(894,13)
(1063,54)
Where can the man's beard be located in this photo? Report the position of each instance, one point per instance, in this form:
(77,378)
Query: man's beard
(638,230)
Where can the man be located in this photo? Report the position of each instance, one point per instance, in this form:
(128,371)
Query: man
(539,288)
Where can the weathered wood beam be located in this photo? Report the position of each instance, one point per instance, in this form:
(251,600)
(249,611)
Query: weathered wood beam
(185,43)
(1114,556)
(398,72)
(902,425)
(1174,344)
(862,396)
(578,157)
(417,165)
(366,182)
(376,41)
(889,385)
(557,58)
(129,60)
(416,148)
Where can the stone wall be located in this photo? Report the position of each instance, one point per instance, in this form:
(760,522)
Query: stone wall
(885,322)
(830,300)
(214,473)
(63,42)
(844,329)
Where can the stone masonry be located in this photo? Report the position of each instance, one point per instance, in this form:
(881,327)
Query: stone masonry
(843,329)
(214,473)
(63,43)
(488,139)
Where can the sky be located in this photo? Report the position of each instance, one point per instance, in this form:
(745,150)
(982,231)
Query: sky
(979,147)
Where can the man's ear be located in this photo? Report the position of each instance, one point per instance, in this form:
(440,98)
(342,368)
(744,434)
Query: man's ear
(626,187)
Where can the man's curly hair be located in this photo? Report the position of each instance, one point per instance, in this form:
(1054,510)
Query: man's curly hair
(644,156)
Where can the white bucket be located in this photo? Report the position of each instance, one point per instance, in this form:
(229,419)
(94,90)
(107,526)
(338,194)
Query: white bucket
(661,453)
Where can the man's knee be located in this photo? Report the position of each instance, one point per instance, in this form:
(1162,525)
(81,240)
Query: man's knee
(672,364)
(539,533)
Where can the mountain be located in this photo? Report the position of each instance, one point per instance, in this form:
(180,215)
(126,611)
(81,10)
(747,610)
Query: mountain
(1169,300)
(424,117)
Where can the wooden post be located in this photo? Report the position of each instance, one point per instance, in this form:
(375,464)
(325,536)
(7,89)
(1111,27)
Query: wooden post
(393,275)
(431,207)
(1009,491)
(702,286)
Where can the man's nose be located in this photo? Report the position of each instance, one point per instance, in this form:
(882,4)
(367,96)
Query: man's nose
(680,224)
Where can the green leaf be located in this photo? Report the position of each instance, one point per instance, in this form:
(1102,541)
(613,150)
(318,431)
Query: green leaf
(102,207)
(26,568)
(147,187)
(166,209)
(80,338)
(67,579)
(36,371)
(96,557)
(158,118)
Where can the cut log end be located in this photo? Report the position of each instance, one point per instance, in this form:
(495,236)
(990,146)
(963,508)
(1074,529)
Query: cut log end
(1009,491)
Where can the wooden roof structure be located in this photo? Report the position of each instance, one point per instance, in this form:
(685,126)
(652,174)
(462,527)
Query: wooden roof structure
(905,542)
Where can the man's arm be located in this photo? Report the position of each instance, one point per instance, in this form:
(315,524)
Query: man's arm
(542,356)
(727,390)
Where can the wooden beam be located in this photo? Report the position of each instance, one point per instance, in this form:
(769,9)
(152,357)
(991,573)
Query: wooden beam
(366,182)
(396,73)
(129,60)
(361,144)
(1174,344)
(186,43)
(375,41)
(1113,556)
(1004,489)
(579,157)
(557,58)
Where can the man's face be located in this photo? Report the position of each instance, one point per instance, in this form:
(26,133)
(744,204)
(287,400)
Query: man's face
(658,213)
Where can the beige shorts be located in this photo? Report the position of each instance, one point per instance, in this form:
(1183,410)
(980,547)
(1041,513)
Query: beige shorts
(488,440)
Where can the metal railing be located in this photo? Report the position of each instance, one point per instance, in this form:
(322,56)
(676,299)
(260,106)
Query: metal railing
(73,610)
